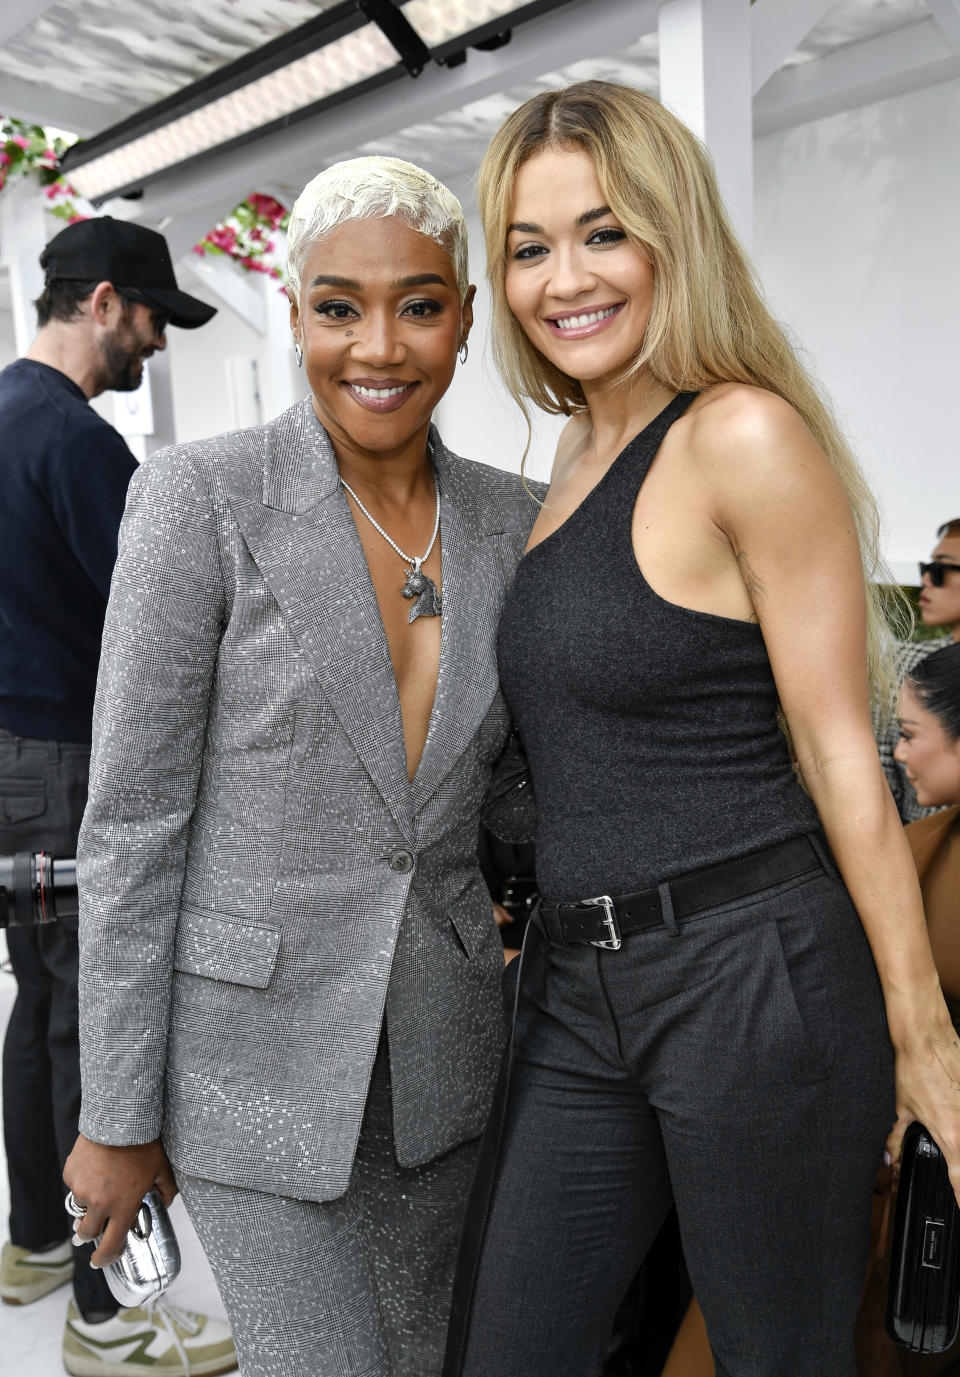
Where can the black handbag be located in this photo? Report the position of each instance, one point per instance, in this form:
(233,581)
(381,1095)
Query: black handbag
(923,1302)
(508,868)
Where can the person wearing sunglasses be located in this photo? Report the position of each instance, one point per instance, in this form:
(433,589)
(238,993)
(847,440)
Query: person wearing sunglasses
(940,580)
(939,607)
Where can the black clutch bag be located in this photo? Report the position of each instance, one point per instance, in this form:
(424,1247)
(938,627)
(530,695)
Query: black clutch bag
(923,1302)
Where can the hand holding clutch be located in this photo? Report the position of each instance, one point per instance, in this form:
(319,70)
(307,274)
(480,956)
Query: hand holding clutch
(109,1183)
(150,1259)
(923,1302)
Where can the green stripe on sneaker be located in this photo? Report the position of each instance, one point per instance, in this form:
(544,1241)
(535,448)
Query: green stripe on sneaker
(136,1355)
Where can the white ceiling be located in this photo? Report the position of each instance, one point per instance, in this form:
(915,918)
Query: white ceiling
(122,55)
(851,21)
(101,60)
(455,141)
(126,54)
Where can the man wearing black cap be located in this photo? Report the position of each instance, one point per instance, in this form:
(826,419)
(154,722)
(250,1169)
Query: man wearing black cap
(110,293)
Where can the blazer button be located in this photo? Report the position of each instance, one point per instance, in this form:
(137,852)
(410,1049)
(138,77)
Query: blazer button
(401,860)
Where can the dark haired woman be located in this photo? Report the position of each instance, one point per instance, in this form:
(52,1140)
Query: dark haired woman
(701,1020)
(929,751)
(929,754)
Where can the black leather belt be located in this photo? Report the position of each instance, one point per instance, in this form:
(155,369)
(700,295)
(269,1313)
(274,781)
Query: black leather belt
(605,920)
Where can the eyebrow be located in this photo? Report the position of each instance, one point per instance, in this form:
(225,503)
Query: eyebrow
(422,280)
(328,280)
(349,284)
(586,218)
(590,215)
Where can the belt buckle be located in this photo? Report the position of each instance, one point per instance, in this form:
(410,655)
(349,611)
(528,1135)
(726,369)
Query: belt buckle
(614,942)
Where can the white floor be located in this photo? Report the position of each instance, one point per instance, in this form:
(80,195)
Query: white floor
(31,1335)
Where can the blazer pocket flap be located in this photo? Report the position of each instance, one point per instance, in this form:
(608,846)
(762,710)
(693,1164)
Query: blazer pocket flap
(224,948)
(471,916)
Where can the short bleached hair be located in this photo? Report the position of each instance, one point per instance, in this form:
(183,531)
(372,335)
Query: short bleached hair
(371,188)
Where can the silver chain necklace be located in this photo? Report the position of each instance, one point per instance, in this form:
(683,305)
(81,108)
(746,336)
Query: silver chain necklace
(418,585)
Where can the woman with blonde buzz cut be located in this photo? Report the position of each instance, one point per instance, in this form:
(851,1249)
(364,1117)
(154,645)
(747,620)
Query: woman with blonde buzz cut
(720,950)
(290,972)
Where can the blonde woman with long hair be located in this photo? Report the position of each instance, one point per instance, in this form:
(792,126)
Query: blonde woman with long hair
(701,1018)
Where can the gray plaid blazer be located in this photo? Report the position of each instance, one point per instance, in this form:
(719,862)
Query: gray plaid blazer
(261,884)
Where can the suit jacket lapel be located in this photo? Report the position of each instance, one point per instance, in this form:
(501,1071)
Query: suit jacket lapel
(303,538)
(470,521)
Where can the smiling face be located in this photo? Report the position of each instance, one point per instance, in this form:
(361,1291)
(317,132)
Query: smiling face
(941,606)
(931,760)
(380,321)
(578,287)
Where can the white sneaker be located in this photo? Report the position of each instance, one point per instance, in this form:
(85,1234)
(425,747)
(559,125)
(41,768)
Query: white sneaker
(159,1337)
(26,1276)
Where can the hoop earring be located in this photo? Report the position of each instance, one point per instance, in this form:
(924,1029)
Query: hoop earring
(463,351)
(299,353)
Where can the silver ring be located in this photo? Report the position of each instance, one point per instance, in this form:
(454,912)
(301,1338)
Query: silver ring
(74,1207)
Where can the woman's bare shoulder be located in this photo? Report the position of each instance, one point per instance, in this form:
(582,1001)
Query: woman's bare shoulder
(734,418)
(744,440)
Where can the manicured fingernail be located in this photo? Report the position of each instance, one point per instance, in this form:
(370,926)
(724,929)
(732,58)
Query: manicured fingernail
(95,1266)
(887,1160)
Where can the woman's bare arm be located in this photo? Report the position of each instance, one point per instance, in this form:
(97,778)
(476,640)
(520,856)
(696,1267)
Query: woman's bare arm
(786,515)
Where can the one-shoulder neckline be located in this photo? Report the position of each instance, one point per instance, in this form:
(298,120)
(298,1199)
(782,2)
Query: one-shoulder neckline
(685,397)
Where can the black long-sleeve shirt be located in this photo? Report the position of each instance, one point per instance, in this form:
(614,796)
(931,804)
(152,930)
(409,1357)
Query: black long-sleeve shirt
(64,473)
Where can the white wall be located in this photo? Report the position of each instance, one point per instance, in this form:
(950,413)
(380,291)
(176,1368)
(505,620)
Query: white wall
(202,403)
(858,243)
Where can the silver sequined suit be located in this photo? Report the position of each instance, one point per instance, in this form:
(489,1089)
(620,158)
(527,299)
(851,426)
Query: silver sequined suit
(261,885)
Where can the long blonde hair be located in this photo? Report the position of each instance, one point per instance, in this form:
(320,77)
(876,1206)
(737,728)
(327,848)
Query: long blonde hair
(708,322)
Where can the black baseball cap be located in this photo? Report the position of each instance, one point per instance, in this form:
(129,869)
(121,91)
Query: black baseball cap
(102,249)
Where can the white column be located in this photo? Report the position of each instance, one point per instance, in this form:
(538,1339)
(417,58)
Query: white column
(706,79)
(281,382)
(23,233)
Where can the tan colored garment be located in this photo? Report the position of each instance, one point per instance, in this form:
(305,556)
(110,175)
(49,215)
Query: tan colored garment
(935,842)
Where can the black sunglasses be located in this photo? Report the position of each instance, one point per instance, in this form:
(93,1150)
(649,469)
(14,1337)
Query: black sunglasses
(937,572)
(160,319)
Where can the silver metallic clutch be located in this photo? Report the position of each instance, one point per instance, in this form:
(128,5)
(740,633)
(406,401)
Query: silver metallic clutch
(150,1260)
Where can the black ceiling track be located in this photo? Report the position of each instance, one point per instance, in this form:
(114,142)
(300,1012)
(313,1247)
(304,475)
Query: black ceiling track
(337,22)
(393,24)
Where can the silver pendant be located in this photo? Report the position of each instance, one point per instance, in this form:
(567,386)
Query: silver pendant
(420,586)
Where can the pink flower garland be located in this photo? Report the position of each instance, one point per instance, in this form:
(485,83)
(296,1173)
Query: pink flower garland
(245,235)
